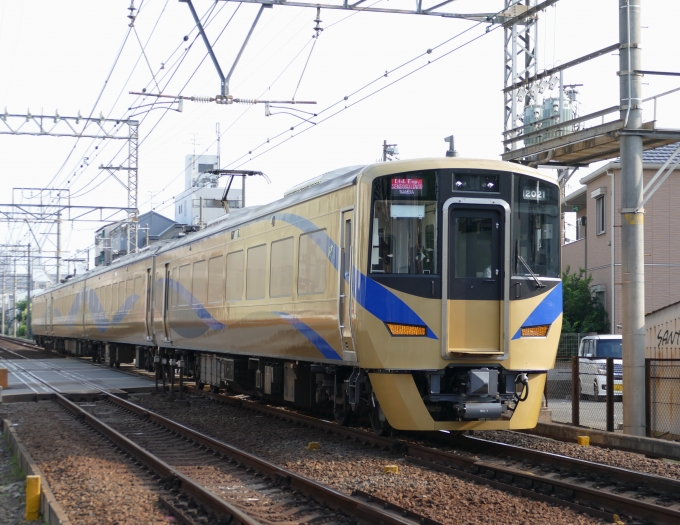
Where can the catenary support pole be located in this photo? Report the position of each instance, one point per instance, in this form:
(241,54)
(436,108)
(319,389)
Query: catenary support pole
(58,247)
(14,301)
(3,304)
(29,285)
(632,223)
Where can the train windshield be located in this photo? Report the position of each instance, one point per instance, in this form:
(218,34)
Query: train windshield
(404,224)
(536,228)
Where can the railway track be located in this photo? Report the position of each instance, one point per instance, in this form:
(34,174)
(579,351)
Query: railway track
(203,480)
(15,348)
(599,490)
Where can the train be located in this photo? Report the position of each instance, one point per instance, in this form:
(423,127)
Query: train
(419,295)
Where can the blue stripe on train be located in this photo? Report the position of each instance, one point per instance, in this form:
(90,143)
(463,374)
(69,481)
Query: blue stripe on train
(546,312)
(313,337)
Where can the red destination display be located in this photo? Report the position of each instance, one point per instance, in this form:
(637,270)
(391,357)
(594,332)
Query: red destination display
(407,186)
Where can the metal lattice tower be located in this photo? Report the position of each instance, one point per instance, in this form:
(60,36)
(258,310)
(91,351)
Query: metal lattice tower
(133,143)
(521,60)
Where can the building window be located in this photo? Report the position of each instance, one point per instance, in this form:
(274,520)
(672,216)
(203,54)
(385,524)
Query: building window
(580,228)
(600,215)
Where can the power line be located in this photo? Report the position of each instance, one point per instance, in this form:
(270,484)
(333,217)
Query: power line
(361,99)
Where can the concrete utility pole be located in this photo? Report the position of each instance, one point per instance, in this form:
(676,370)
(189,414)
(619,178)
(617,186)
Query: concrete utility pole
(632,223)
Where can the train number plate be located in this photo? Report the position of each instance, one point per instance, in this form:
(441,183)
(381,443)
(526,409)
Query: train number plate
(618,388)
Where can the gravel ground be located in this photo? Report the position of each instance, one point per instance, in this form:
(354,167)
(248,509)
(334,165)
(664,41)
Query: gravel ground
(12,488)
(347,466)
(94,485)
(606,456)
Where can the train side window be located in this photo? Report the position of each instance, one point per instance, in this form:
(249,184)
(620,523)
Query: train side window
(139,293)
(312,262)
(234,276)
(199,289)
(184,285)
(215,280)
(256,275)
(129,294)
(281,268)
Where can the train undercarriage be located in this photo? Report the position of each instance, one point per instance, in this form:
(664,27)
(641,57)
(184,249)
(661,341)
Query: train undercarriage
(457,393)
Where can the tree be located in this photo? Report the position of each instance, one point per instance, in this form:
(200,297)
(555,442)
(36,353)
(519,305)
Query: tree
(583,312)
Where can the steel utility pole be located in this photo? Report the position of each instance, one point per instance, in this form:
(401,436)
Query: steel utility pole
(632,223)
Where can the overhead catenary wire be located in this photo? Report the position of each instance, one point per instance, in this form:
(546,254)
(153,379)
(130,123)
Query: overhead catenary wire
(81,192)
(271,84)
(170,71)
(344,99)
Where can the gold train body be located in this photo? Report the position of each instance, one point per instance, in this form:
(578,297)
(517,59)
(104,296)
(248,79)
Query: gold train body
(423,293)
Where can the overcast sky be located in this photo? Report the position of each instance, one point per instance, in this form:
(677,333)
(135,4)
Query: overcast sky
(58,56)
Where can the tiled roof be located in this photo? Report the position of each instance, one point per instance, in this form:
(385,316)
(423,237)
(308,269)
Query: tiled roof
(659,155)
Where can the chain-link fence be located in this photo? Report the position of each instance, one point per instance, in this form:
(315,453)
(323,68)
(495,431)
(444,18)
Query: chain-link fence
(569,343)
(663,398)
(578,392)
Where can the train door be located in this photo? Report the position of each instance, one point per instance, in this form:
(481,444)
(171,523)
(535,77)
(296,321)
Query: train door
(148,309)
(50,315)
(166,303)
(475,279)
(345,290)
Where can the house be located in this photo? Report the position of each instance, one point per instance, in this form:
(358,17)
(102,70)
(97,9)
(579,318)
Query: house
(597,247)
(111,239)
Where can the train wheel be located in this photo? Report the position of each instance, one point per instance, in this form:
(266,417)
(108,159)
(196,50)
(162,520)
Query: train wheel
(380,426)
(341,414)
(379,422)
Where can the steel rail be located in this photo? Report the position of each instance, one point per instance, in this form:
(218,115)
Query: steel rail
(20,342)
(364,511)
(186,484)
(367,511)
(199,493)
(543,488)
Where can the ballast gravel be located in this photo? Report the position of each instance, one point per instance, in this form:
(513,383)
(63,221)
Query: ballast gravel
(606,456)
(95,485)
(349,466)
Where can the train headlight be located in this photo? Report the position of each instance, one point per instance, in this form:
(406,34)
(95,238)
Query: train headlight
(535,331)
(406,329)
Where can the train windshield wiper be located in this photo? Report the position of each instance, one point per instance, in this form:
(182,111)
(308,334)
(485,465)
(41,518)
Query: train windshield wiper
(533,275)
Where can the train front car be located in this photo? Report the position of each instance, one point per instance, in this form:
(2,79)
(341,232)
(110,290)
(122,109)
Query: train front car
(458,298)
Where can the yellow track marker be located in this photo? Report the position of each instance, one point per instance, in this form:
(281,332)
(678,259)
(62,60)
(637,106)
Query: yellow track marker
(313,445)
(583,440)
(32,498)
(391,469)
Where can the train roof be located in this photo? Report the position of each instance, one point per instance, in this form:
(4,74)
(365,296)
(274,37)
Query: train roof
(325,183)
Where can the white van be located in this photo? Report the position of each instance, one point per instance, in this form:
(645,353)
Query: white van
(593,372)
